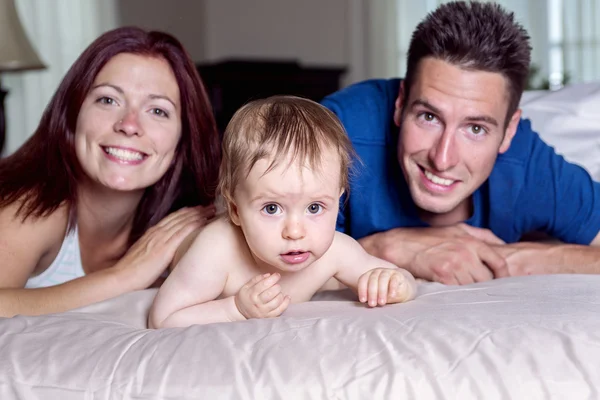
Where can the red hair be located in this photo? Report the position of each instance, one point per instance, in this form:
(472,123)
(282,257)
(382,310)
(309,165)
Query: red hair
(43,174)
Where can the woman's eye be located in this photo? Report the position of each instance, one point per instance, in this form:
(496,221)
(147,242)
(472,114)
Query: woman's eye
(271,209)
(105,100)
(160,112)
(314,208)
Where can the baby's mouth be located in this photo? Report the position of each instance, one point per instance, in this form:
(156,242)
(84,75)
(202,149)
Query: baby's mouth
(295,256)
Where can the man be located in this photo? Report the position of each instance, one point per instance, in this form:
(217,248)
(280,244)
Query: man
(451,178)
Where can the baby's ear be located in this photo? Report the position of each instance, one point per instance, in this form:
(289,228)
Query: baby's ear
(233,212)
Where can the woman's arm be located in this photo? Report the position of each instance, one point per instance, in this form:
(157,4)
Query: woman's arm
(79,292)
(23,244)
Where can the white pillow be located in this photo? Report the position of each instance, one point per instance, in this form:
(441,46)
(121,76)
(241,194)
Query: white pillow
(569,120)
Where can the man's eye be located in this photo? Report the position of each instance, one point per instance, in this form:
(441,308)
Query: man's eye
(427,117)
(271,209)
(477,129)
(314,208)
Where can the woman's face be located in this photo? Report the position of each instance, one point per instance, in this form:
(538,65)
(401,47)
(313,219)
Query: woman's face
(129,124)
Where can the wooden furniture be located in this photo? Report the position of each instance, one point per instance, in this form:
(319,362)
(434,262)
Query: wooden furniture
(233,83)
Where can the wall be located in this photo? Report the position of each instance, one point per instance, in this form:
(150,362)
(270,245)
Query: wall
(313,32)
(185,19)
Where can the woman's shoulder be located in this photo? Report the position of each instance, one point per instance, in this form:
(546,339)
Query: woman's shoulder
(13,222)
(28,244)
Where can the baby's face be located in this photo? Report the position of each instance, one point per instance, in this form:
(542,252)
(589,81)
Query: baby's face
(288,215)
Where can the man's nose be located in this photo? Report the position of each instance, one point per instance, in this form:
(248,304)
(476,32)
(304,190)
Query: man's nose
(444,153)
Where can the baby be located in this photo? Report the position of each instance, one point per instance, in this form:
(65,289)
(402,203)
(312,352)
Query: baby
(285,165)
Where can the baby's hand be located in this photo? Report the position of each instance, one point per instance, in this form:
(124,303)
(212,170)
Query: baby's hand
(261,297)
(386,285)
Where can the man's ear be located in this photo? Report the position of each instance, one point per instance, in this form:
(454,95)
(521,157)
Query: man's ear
(399,104)
(511,130)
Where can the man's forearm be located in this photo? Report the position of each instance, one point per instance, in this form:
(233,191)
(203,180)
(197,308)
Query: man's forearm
(529,258)
(398,246)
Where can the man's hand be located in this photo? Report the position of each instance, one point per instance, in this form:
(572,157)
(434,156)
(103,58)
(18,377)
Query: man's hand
(261,297)
(381,286)
(458,254)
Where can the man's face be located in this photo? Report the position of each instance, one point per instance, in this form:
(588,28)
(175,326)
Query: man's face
(452,128)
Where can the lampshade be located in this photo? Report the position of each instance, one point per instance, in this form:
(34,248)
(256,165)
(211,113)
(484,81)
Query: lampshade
(16,53)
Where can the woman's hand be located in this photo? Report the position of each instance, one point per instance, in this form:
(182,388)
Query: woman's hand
(152,254)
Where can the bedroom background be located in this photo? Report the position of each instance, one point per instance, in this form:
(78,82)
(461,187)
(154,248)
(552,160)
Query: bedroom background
(311,47)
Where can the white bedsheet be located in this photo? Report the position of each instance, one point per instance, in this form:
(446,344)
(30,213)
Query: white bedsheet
(514,338)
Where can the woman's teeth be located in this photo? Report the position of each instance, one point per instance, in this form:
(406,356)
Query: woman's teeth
(122,154)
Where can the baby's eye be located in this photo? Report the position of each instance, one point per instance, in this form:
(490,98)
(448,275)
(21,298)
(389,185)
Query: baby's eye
(271,209)
(315,208)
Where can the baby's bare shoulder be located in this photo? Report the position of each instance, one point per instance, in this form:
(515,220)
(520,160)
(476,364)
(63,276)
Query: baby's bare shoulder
(342,244)
(220,240)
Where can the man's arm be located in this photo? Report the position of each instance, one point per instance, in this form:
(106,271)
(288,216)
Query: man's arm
(458,254)
(530,258)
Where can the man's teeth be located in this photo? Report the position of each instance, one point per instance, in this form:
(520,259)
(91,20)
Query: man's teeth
(125,155)
(437,180)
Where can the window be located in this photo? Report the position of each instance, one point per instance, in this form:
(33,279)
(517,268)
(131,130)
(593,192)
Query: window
(564,36)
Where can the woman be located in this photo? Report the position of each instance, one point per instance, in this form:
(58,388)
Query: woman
(87,204)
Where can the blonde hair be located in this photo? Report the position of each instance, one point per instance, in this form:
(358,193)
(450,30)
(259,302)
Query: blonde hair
(274,127)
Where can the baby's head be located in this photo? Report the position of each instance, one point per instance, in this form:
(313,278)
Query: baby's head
(285,164)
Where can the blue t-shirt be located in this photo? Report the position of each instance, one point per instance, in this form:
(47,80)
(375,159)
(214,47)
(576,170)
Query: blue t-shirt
(531,188)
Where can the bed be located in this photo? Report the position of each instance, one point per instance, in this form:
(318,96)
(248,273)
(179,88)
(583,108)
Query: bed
(535,337)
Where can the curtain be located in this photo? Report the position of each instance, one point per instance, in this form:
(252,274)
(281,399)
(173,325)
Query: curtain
(565,37)
(59,30)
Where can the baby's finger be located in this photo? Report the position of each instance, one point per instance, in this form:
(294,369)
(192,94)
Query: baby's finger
(363,286)
(395,282)
(272,304)
(252,282)
(373,288)
(269,294)
(384,282)
(277,311)
(267,282)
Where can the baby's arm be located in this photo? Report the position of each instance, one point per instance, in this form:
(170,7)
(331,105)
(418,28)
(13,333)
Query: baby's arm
(376,281)
(188,295)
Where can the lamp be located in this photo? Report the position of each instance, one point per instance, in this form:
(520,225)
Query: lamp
(16,53)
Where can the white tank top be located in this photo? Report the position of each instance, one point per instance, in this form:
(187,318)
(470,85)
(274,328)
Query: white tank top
(65,267)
